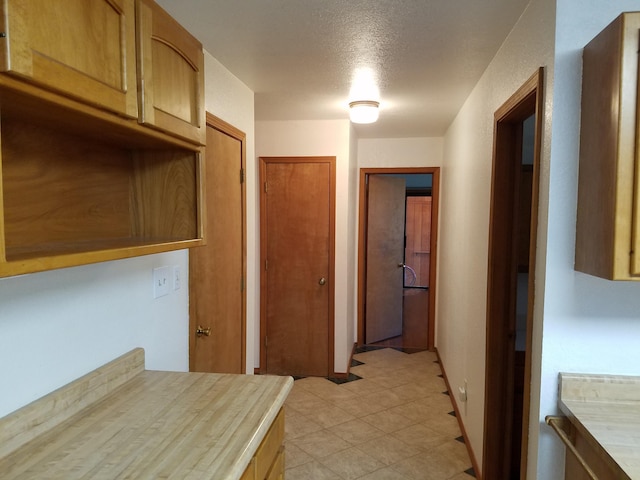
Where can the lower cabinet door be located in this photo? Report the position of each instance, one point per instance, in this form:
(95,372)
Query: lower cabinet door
(277,469)
(250,472)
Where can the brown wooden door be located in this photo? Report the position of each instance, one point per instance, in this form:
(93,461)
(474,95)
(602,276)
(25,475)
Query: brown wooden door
(418,249)
(84,49)
(171,74)
(385,255)
(217,270)
(297,215)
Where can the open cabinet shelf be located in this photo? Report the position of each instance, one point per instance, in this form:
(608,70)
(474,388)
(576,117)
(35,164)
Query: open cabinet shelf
(79,187)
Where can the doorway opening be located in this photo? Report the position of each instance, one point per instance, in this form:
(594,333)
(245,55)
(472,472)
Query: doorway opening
(398,222)
(511,281)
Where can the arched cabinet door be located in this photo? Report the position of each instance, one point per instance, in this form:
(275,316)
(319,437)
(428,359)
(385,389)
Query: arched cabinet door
(85,50)
(170,75)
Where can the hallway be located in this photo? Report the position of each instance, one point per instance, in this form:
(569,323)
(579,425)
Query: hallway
(395,422)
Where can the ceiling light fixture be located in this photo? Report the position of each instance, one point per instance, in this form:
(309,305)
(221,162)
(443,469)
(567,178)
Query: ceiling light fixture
(363,111)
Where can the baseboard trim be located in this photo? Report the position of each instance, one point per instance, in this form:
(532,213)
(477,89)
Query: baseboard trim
(472,456)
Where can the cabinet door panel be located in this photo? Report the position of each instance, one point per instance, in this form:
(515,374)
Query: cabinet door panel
(171,74)
(608,214)
(82,49)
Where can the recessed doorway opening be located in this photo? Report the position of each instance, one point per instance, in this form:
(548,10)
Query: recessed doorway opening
(511,281)
(396,259)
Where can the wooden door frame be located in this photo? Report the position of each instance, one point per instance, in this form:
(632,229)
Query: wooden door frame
(332,255)
(362,234)
(500,276)
(226,128)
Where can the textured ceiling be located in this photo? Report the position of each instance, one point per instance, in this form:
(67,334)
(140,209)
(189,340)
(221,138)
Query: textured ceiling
(301,57)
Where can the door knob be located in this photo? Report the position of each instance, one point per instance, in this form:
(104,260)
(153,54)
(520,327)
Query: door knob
(203,331)
(322,281)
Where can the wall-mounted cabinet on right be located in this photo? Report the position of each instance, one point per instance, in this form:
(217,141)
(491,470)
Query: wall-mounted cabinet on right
(608,222)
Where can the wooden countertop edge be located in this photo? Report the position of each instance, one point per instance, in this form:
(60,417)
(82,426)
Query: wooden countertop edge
(594,443)
(578,392)
(245,458)
(47,412)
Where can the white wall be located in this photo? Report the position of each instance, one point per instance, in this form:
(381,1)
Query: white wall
(582,324)
(400,152)
(56,326)
(324,138)
(464,211)
(590,325)
(228,98)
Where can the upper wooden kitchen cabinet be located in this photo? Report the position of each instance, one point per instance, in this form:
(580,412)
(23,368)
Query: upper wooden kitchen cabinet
(608,217)
(82,178)
(170,74)
(83,49)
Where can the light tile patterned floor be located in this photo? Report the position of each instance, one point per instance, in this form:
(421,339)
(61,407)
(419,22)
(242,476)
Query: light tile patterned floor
(395,423)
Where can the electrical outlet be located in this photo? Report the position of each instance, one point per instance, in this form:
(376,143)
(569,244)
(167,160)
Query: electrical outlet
(176,277)
(160,281)
(462,392)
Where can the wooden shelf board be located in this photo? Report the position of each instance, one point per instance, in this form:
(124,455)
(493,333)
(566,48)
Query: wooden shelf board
(48,257)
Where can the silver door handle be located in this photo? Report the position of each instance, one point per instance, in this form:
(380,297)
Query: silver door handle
(322,281)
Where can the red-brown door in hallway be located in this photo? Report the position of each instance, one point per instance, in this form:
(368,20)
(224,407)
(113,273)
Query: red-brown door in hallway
(297,225)
(417,254)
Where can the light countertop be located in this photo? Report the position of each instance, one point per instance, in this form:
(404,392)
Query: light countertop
(606,407)
(155,425)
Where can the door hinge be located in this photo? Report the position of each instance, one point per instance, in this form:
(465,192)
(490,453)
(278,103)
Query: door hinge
(266,188)
(266,265)
(242,175)
(242,284)
(265,341)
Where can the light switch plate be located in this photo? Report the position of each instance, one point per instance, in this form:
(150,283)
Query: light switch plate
(161,282)
(177,277)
